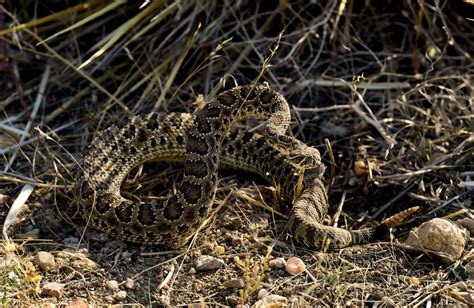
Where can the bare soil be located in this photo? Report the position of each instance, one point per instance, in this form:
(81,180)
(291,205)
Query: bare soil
(384,91)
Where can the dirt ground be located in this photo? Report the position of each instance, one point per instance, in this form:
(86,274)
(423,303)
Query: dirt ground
(383,91)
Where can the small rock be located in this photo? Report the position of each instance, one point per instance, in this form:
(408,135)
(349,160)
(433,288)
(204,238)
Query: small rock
(45,261)
(232,300)
(129,283)
(108,299)
(277,263)
(120,295)
(84,263)
(53,289)
(71,241)
(219,250)
(271,300)
(294,266)
(112,285)
(192,271)
(206,263)
(127,256)
(262,293)
(10,247)
(242,306)
(77,303)
(234,283)
(467,223)
(32,234)
(440,235)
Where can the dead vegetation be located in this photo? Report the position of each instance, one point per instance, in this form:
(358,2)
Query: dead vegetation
(383,90)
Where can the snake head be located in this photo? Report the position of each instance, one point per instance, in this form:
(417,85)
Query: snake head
(305,157)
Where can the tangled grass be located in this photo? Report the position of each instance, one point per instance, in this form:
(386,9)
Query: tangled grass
(383,90)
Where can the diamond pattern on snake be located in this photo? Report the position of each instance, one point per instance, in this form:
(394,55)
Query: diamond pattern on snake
(204,142)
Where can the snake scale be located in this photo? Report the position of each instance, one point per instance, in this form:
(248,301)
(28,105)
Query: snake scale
(204,142)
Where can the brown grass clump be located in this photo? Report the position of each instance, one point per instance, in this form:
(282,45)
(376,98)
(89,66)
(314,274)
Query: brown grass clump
(383,90)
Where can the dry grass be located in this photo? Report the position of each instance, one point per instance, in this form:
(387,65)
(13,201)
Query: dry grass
(388,85)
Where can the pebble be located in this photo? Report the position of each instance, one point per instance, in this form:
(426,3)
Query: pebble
(84,263)
(112,285)
(45,261)
(440,235)
(77,303)
(192,271)
(277,263)
(32,234)
(129,284)
(120,295)
(467,223)
(219,250)
(71,241)
(234,283)
(271,300)
(127,256)
(10,247)
(262,293)
(53,289)
(206,263)
(232,300)
(294,266)
(108,299)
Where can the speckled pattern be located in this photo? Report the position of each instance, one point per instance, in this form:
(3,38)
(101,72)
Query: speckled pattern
(204,142)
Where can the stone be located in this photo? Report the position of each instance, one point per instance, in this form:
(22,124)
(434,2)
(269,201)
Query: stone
(206,263)
(233,300)
(294,266)
(77,303)
(71,241)
(45,261)
(262,293)
(277,263)
(271,300)
(31,234)
(53,289)
(120,295)
(440,235)
(129,284)
(467,223)
(112,285)
(84,263)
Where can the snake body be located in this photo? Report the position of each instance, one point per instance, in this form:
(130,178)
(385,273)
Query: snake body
(204,142)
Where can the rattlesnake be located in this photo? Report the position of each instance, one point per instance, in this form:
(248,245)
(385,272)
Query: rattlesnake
(204,142)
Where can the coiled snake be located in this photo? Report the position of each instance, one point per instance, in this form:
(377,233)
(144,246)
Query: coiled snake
(204,142)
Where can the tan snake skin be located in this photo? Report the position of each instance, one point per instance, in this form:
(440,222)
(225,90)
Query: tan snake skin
(203,143)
